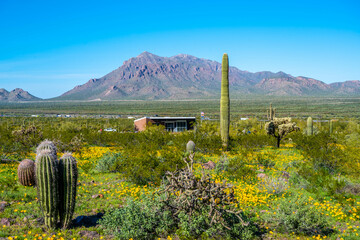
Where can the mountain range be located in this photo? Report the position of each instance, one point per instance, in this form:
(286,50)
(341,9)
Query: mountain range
(149,76)
(16,95)
(183,76)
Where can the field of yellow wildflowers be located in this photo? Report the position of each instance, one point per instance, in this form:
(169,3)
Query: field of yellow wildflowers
(268,184)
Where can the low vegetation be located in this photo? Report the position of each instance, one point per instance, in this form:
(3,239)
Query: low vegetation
(151,185)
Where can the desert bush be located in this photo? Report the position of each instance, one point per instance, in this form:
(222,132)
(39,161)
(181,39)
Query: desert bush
(266,159)
(321,182)
(139,219)
(252,125)
(275,185)
(253,140)
(110,162)
(238,168)
(150,165)
(322,150)
(199,227)
(207,137)
(203,207)
(298,215)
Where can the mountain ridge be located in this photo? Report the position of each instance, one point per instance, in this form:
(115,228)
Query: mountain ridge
(184,76)
(151,77)
(16,95)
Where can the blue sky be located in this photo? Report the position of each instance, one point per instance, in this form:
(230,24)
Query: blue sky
(48,47)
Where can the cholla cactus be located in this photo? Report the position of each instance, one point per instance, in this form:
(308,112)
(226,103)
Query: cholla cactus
(26,172)
(280,127)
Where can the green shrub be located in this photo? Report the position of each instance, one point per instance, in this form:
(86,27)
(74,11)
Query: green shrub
(322,150)
(321,182)
(253,140)
(238,168)
(139,220)
(266,159)
(297,214)
(150,165)
(199,226)
(110,162)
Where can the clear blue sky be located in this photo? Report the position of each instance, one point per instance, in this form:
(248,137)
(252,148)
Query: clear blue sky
(48,47)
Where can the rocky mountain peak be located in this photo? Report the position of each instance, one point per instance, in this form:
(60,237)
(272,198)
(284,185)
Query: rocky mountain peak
(15,95)
(148,76)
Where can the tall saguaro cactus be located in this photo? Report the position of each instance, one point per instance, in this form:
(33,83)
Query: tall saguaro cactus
(67,188)
(331,126)
(225,102)
(271,113)
(310,129)
(47,186)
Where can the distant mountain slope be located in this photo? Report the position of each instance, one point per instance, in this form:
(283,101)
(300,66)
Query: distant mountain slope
(148,76)
(347,87)
(16,95)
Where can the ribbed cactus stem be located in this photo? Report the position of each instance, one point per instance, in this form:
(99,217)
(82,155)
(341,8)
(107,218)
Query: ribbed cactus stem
(331,125)
(46,145)
(310,129)
(26,172)
(47,186)
(68,175)
(190,147)
(271,112)
(225,102)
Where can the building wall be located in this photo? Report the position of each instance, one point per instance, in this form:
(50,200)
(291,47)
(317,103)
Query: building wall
(140,125)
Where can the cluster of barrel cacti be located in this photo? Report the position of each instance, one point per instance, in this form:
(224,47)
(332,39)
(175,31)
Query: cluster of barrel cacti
(56,185)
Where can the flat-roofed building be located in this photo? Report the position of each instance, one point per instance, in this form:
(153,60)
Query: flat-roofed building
(172,124)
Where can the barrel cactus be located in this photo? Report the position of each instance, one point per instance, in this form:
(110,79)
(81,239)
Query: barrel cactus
(46,145)
(190,147)
(47,186)
(26,172)
(225,102)
(68,175)
(310,129)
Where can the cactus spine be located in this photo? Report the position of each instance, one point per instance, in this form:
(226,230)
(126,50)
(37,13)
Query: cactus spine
(47,186)
(190,147)
(67,188)
(46,145)
(310,129)
(225,102)
(26,172)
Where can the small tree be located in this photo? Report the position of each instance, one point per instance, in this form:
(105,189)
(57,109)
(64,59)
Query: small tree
(280,127)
